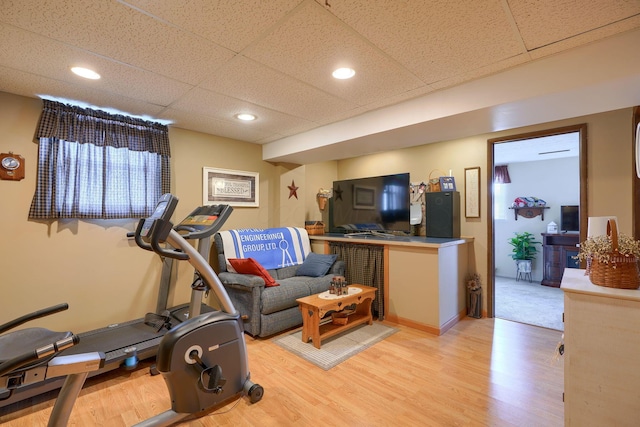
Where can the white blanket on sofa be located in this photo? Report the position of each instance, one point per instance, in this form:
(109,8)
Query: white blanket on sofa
(271,247)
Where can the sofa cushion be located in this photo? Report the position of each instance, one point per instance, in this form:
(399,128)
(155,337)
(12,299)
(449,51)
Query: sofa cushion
(285,272)
(251,266)
(284,296)
(316,265)
(319,284)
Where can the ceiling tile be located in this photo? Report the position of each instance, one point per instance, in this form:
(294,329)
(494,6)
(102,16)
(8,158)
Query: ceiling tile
(587,37)
(231,24)
(198,62)
(245,79)
(435,39)
(30,85)
(312,43)
(222,107)
(45,57)
(206,124)
(112,29)
(541,25)
(482,71)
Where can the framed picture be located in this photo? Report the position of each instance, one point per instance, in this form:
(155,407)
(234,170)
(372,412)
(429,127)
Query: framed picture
(447,183)
(230,187)
(472,192)
(364,197)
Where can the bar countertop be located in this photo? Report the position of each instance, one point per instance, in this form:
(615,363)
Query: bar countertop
(377,239)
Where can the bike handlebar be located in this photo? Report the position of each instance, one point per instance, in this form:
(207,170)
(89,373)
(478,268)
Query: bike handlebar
(37,354)
(154,244)
(32,316)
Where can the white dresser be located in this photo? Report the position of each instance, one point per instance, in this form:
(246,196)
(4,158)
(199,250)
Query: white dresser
(602,353)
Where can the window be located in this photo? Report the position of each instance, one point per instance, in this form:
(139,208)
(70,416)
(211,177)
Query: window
(500,203)
(92,164)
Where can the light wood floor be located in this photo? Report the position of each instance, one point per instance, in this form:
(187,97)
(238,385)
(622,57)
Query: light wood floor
(482,372)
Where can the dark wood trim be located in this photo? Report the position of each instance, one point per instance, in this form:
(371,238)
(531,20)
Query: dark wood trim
(538,134)
(635,184)
(584,206)
(491,286)
(584,185)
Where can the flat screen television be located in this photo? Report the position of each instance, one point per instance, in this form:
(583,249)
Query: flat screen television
(378,203)
(569,219)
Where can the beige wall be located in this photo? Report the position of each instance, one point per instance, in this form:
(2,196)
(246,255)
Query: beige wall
(103,276)
(106,279)
(420,161)
(318,176)
(609,162)
(610,172)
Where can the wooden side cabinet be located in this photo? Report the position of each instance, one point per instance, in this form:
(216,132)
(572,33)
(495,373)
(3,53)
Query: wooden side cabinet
(601,375)
(558,251)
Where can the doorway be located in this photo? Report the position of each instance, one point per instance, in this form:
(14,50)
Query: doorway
(548,170)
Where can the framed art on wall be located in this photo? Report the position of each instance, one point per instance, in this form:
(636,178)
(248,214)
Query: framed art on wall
(231,187)
(447,183)
(472,192)
(364,197)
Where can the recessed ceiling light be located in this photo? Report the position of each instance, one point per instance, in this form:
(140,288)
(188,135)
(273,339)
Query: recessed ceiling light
(86,73)
(245,117)
(344,73)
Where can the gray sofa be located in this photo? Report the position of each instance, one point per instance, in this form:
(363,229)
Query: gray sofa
(269,310)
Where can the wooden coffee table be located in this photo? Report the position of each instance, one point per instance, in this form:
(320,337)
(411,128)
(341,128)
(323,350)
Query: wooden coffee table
(315,307)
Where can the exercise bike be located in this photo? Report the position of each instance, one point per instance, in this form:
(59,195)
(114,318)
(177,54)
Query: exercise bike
(33,355)
(203,360)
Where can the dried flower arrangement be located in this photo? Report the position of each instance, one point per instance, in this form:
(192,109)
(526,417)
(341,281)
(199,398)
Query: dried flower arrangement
(473,283)
(601,247)
(612,260)
(474,296)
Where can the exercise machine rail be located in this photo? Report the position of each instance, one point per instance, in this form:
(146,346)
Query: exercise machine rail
(203,359)
(119,341)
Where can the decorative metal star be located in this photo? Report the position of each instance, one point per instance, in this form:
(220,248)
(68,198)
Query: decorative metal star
(293,190)
(338,192)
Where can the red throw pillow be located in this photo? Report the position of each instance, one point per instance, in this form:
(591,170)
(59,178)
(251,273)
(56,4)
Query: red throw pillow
(251,266)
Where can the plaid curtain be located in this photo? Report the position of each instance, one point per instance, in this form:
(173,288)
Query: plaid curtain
(364,266)
(92,164)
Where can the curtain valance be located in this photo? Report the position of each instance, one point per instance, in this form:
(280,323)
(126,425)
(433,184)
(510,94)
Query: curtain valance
(83,125)
(501,174)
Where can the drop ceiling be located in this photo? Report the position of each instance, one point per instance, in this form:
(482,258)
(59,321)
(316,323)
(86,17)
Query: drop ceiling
(426,71)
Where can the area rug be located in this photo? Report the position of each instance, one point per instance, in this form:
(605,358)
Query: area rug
(337,349)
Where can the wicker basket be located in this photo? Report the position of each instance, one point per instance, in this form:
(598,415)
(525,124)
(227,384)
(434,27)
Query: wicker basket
(314,228)
(434,183)
(621,272)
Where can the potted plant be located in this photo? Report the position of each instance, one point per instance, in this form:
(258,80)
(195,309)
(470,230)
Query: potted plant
(523,252)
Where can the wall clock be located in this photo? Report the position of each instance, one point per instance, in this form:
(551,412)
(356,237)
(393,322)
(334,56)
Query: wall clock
(11,166)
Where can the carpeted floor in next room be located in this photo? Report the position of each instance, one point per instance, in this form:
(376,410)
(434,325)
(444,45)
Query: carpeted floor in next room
(530,303)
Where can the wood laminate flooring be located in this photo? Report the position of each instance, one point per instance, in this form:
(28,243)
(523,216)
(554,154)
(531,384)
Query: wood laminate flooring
(482,372)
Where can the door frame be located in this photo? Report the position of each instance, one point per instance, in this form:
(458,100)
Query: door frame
(582,155)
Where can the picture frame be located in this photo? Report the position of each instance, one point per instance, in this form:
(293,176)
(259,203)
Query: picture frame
(472,192)
(231,187)
(447,183)
(364,197)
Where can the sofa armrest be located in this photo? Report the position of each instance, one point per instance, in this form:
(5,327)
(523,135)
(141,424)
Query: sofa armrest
(338,268)
(248,281)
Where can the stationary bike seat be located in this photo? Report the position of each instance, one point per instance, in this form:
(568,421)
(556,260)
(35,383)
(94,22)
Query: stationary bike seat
(16,343)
